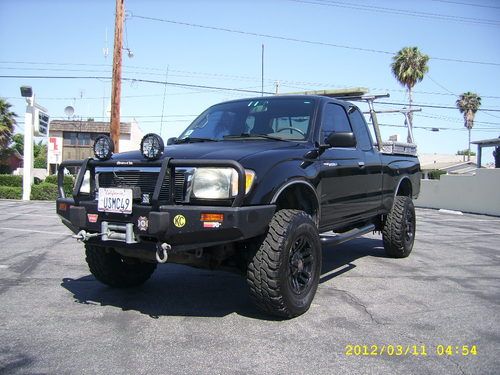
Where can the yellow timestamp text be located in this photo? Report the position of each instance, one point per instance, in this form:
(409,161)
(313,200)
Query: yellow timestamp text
(419,350)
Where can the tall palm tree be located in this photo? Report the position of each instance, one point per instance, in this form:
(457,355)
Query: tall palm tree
(7,122)
(409,66)
(468,104)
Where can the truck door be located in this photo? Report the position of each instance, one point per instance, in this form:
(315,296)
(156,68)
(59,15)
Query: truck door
(372,201)
(342,173)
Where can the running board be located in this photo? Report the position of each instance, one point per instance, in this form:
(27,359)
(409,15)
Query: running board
(343,237)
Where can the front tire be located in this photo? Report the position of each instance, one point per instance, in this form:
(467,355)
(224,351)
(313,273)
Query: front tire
(283,275)
(399,228)
(112,269)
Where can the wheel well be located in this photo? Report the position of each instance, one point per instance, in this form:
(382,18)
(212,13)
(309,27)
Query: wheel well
(300,197)
(405,188)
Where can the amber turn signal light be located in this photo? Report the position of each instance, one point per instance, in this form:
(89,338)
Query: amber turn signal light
(212,217)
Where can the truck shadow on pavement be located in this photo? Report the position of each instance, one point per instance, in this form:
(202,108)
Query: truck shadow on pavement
(176,290)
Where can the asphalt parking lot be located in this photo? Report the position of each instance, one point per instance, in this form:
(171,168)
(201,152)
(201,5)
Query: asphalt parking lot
(55,318)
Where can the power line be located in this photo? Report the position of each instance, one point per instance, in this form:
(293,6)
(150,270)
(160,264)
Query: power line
(196,74)
(290,39)
(435,106)
(404,12)
(468,4)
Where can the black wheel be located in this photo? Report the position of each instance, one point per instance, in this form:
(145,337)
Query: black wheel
(283,274)
(112,269)
(399,228)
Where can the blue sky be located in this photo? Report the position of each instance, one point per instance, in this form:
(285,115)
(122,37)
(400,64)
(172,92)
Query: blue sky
(309,45)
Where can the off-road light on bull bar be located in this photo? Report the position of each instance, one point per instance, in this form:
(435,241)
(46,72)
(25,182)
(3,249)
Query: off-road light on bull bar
(103,147)
(152,146)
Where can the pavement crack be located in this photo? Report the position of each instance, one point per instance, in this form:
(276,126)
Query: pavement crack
(357,302)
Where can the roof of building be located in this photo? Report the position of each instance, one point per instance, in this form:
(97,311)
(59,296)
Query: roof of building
(87,126)
(443,161)
(488,142)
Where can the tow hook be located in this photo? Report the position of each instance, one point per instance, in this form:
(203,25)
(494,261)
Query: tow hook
(85,236)
(162,252)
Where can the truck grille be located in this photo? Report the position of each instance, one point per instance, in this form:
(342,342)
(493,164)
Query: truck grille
(144,180)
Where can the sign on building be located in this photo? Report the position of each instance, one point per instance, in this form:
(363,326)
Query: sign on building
(55,150)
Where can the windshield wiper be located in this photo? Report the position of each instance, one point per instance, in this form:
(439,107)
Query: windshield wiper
(194,140)
(252,135)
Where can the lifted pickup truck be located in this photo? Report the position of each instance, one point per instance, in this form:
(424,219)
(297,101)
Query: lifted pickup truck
(256,185)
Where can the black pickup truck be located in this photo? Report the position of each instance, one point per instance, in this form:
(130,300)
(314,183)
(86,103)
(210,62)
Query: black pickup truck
(254,185)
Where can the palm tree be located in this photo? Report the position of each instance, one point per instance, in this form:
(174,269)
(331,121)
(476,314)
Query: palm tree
(7,122)
(468,103)
(409,66)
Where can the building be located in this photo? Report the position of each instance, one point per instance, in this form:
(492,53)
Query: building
(449,164)
(73,140)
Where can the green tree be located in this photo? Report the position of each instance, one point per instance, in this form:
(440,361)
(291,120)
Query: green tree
(7,122)
(18,143)
(468,104)
(40,155)
(409,66)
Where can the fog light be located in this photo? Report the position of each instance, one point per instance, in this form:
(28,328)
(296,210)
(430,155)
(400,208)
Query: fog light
(103,147)
(152,146)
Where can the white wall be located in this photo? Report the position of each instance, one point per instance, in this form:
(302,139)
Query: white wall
(132,141)
(476,194)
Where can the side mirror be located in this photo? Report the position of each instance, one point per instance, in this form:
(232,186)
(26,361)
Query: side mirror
(171,141)
(341,140)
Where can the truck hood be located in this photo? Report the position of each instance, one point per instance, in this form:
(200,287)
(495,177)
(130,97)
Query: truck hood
(231,150)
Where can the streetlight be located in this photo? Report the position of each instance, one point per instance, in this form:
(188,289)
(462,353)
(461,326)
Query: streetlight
(27,92)
(35,118)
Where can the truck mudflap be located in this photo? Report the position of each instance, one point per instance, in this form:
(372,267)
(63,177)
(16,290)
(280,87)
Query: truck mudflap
(162,224)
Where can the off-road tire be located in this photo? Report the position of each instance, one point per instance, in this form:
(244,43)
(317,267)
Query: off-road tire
(399,228)
(284,272)
(112,269)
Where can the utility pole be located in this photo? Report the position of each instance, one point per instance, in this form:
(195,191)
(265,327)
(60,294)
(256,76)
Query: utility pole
(117,75)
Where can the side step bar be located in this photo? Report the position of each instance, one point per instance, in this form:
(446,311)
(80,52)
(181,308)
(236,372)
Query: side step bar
(343,237)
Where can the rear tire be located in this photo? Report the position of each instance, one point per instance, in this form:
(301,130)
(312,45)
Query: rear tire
(399,228)
(112,269)
(283,275)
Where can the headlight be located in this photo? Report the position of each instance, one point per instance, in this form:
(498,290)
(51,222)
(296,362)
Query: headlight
(219,183)
(152,146)
(103,147)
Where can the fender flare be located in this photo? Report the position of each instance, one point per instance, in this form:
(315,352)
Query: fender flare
(286,185)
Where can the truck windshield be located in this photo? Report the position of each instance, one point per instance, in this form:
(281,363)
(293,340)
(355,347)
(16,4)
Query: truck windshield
(277,118)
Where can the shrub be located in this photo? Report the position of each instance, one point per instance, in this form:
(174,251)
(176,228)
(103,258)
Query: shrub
(5,169)
(435,174)
(11,180)
(11,192)
(44,191)
(68,182)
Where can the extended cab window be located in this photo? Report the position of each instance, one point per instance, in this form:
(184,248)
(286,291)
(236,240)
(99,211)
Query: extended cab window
(334,120)
(363,136)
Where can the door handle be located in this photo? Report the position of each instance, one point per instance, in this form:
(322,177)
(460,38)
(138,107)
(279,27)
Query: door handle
(361,164)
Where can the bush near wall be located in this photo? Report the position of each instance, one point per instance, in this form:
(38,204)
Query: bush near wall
(44,191)
(11,192)
(68,183)
(436,174)
(11,180)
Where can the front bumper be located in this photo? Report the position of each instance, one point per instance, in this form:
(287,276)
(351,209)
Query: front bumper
(179,226)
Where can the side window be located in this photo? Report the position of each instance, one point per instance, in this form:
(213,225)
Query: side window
(363,136)
(334,120)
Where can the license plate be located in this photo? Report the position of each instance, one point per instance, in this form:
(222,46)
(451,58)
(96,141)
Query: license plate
(115,200)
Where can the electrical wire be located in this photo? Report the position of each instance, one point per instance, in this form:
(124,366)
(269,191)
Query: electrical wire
(306,41)
(404,12)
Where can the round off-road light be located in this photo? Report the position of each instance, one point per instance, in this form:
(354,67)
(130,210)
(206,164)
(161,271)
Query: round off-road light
(152,146)
(103,147)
